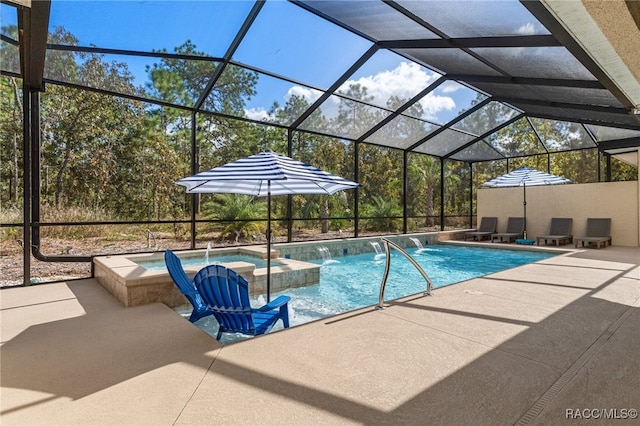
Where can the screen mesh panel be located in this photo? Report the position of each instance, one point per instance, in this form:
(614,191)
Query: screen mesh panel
(445,142)
(210,26)
(376,19)
(345,118)
(402,132)
(476,18)
(286,40)
(375,56)
(538,62)
(488,117)
(450,61)
(517,140)
(603,133)
(477,152)
(560,136)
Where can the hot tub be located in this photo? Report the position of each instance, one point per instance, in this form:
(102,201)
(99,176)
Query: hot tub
(133,283)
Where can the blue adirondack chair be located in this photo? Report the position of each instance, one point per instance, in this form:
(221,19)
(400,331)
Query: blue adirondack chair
(227,295)
(186,286)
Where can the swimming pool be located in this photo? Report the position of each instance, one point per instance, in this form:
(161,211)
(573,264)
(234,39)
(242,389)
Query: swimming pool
(353,282)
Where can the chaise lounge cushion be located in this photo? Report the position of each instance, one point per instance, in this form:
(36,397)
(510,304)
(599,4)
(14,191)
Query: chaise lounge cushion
(598,232)
(559,231)
(515,230)
(487,227)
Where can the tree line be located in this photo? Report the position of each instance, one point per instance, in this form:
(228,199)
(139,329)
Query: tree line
(119,158)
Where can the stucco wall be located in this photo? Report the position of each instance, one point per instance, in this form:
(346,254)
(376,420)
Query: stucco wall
(617,200)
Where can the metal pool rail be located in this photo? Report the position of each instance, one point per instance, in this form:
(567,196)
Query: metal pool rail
(387,250)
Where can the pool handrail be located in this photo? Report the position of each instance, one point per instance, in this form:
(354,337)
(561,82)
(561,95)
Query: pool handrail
(383,285)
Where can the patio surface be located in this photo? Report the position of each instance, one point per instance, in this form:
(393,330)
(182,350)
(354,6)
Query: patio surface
(531,345)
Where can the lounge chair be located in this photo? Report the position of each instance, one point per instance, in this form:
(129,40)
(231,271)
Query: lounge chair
(487,227)
(559,231)
(227,295)
(515,230)
(186,286)
(598,232)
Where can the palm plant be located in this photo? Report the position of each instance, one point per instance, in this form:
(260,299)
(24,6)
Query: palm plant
(387,211)
(242,212)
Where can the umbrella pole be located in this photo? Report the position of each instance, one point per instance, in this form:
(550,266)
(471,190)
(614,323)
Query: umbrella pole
(524,203)
(268,241)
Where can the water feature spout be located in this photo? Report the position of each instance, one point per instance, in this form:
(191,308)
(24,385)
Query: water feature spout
(206,255)
(326,256)
(379,253)
(420,247)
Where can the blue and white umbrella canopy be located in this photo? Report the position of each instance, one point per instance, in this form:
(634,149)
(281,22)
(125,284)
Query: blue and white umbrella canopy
(266,173)
(524,177)
(263,175)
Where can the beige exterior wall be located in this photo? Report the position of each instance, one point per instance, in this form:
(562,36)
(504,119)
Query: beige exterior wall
(617,200)
(616,20)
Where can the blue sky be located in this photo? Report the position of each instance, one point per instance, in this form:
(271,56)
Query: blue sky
(284,39)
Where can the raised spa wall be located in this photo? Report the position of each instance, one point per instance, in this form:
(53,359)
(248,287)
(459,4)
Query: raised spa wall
(135,285)
(308,250)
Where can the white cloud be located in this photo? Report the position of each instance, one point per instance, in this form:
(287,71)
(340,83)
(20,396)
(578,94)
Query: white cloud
(257,114)
(450,86)
(329,108)
(404,82)
(309,94)
(526,29)
(433,104)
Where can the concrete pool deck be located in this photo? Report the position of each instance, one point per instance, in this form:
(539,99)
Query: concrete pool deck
(543,343)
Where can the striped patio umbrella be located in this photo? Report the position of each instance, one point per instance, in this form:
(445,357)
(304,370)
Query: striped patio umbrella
(524,177)
(266,174)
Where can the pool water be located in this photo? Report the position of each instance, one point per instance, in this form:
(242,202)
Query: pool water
(352,282)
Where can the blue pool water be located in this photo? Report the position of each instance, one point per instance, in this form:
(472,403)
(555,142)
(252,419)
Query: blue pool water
(352,282)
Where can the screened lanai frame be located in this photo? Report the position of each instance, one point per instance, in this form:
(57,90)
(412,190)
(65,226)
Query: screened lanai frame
(465,45)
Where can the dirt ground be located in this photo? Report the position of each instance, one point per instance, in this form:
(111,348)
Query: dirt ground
(12,265)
